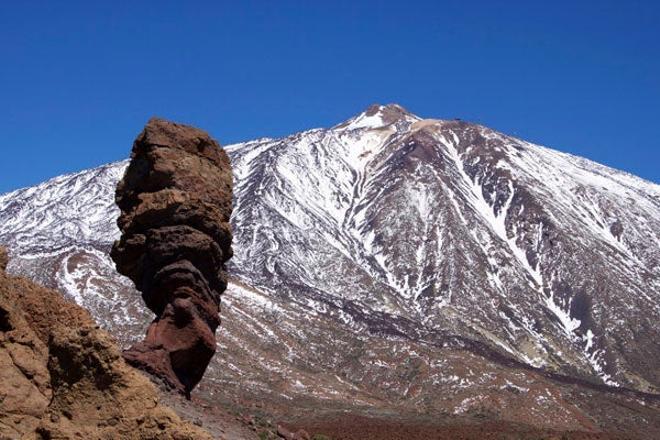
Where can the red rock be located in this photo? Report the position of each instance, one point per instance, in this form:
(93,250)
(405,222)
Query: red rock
(176,201)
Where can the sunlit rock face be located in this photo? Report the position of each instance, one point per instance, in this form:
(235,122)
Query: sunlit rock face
(175,202)
(61,377)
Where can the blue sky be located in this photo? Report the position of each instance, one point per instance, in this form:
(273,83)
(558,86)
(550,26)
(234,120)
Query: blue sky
(78,80)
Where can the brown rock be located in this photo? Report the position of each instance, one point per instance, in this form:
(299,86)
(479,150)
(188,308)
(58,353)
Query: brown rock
(176,201)
(62,377)
(4,259)
(289,434)
(24,378)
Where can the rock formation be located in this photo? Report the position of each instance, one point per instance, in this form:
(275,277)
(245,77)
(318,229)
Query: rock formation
(63,377)
(176,200)
(3,258)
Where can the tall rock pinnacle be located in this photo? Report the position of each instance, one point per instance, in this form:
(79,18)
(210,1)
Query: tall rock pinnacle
(176,201)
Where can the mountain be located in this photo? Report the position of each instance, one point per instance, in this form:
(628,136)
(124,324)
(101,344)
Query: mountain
(405,265)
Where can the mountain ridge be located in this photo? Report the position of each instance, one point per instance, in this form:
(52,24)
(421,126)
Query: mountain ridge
(610,168)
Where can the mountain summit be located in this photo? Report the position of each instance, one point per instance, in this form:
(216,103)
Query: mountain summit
(376,116)
(389,113)
(413,265)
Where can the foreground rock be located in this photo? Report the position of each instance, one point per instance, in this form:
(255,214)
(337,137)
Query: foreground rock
(3,258)
(176,201)
(62,377)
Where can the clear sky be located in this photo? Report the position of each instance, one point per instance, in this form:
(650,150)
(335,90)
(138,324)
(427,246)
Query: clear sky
(78,80)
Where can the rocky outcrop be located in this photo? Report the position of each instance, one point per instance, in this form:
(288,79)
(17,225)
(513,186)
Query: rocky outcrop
(290,434)
(3,258)
(176,200)
(63,377)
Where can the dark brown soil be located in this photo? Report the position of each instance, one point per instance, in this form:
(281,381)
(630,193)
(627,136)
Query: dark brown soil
(351,427)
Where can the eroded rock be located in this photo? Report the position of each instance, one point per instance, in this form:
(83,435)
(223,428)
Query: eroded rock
(176,200)
(3,258)
(62,377)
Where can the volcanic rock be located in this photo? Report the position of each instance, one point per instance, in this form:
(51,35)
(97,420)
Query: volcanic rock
(3,258)
(176,200)
(289,434)
(63,377)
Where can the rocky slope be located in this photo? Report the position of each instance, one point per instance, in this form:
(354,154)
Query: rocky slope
(401,265)
(63,377)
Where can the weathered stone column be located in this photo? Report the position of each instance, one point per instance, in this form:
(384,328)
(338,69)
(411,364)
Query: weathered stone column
(176,200)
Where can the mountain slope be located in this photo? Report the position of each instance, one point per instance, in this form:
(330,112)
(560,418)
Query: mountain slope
(390,260)
(459,229)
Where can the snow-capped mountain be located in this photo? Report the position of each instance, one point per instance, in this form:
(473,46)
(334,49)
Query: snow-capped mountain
(546,257)
(393,259)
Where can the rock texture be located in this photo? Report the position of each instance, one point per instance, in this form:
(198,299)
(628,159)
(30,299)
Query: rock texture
(176,201)
(63,377)
(3,258)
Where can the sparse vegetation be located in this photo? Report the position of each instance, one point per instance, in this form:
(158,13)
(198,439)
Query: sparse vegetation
(264,435)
